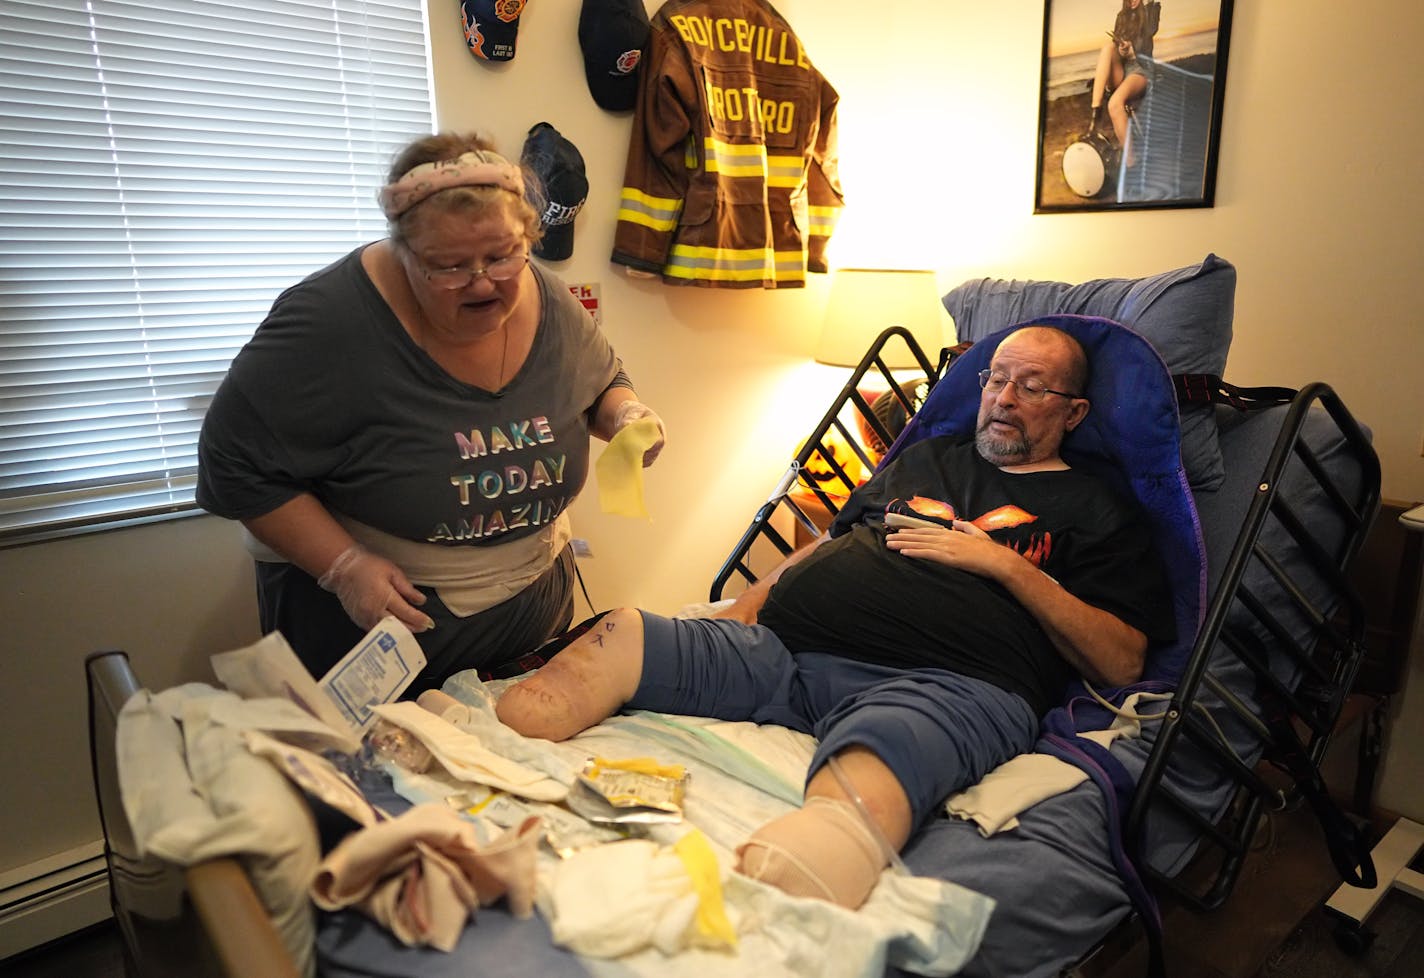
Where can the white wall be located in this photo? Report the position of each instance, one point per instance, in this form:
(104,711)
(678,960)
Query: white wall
(1318,204)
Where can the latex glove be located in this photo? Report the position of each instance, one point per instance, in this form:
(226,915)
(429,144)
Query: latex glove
(371,587)
(630,411)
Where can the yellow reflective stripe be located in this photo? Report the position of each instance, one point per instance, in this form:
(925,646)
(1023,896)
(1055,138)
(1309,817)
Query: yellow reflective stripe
(784,171)
(734,264)
(658,213)
(722,264)
(823,219)
(735,160)
(751,160)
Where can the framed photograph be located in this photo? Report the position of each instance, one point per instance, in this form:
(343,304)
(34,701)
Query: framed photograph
(1130,101)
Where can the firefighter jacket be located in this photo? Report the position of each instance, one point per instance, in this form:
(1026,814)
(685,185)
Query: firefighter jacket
(731,179)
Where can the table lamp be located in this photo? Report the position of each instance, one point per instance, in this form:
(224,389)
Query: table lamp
(865,301)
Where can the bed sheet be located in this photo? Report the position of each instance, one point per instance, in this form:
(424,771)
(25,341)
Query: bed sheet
(741,776)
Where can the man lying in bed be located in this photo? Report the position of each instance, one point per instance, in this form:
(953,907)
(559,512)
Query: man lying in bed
(921,654)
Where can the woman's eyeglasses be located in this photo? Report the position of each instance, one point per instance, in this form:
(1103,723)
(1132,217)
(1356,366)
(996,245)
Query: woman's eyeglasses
(461,277)
(1030,390)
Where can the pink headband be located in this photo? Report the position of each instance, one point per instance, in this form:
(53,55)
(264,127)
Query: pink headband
(474,169)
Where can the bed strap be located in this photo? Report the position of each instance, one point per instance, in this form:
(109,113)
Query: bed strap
(1193,389)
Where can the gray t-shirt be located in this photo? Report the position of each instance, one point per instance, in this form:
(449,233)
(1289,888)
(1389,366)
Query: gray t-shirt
(332,396)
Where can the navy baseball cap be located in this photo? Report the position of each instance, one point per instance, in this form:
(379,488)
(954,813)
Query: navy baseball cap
(612,34)
(491,27)
(559,166)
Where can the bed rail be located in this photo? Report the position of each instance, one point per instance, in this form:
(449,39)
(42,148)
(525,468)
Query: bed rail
(849,417)
(1301,685)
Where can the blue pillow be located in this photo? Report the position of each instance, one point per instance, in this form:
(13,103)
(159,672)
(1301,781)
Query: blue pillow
(1185,314)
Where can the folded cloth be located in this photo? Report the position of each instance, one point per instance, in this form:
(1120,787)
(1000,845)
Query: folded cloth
(620,469)
(423,874)
(465,755)
(1023,781)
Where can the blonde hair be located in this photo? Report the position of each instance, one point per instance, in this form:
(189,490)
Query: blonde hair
(474,201)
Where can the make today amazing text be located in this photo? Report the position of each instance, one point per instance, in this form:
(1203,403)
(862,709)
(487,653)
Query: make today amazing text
(509,480)
(765,44)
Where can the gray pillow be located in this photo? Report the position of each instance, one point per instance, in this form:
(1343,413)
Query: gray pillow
(1185,314)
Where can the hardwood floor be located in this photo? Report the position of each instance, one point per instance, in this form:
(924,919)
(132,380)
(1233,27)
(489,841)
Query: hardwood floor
(1275,925)
(95,952)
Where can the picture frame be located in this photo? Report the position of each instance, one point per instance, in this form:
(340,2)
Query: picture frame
(1154,140)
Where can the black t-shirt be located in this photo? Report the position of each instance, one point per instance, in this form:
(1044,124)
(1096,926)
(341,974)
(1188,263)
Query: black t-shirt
(855,597)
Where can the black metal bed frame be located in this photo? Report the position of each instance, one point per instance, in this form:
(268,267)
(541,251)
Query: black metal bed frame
(873,364)
(1299,719)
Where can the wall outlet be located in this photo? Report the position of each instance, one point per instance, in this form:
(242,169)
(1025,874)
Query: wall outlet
(581,547)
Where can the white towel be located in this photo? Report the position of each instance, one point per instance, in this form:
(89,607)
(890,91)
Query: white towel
(466,757)
(1021,782)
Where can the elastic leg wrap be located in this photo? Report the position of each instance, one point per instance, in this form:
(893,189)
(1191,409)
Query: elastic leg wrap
(823,850)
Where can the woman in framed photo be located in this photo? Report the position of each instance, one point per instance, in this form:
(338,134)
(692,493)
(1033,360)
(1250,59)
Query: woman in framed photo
(1120,75)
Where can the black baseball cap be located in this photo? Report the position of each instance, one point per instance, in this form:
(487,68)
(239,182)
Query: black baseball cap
(612,34)
(559,166)
(491,27)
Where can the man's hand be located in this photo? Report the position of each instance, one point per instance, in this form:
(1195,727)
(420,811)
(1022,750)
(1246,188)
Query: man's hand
(748,604)
(966,547)
(744,609)
(1096,643)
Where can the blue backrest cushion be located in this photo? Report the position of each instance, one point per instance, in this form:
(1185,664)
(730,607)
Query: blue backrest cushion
(1185,314)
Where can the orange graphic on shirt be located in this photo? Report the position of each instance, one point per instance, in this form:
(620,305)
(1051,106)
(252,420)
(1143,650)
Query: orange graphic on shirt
(1036,550)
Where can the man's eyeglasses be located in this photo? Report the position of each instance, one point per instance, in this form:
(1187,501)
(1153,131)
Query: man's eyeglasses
(460,276)
(1030,390)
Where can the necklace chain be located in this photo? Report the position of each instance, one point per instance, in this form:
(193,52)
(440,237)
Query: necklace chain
(422,342)
(503,356)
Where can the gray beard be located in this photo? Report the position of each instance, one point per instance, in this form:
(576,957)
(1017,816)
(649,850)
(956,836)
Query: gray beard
(1002,451)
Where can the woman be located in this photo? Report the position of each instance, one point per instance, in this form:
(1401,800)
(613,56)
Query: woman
(405,431)
(1119,71)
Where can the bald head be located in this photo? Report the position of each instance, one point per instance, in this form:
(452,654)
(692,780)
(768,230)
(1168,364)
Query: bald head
(1037,373)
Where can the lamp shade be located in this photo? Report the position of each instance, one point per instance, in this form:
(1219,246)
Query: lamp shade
(865,301)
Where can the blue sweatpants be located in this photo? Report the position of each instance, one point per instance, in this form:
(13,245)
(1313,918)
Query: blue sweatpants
(936,730)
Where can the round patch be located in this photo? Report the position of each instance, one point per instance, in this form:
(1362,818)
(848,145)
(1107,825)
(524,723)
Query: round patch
(628,60)
(509,10)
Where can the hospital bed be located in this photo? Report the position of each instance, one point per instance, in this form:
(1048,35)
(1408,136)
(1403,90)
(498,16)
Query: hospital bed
(1279,640)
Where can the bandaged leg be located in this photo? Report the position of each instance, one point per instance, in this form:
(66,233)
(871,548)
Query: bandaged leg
(585,683)
(823,850)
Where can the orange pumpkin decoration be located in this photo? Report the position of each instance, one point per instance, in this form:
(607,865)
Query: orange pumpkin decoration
(819,472)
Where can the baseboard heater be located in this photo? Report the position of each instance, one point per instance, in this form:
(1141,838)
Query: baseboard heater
(57,895)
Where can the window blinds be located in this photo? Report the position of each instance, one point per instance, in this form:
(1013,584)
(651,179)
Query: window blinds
(169,167)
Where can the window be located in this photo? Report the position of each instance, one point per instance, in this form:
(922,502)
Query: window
(169,166)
